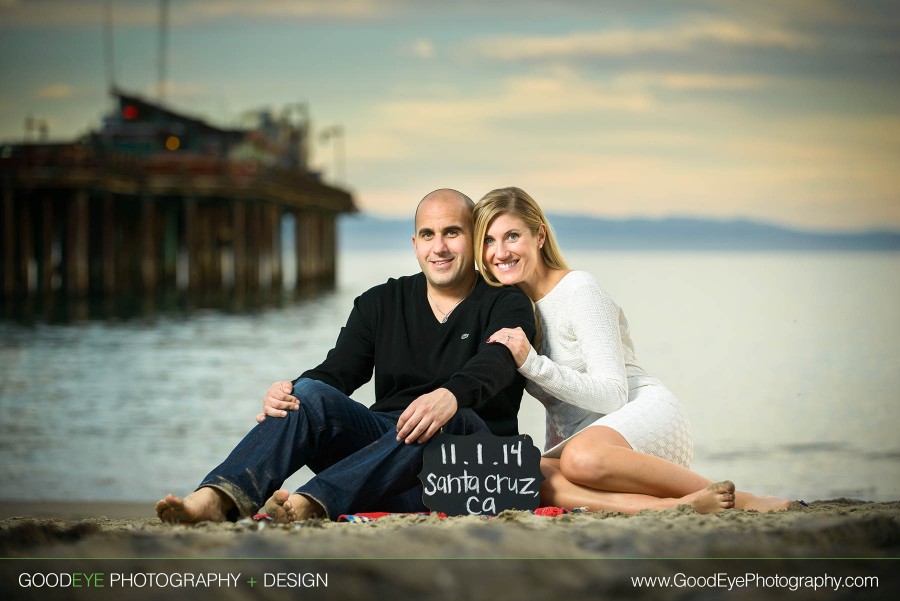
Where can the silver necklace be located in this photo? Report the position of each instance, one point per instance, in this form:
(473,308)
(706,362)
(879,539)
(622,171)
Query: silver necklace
(447,314)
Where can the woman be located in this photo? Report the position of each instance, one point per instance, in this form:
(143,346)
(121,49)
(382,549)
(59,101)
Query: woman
(617,439)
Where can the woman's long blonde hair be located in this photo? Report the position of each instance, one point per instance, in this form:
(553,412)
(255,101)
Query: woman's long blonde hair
(516,202)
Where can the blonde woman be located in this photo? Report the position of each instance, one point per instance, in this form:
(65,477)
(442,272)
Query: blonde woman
(617,439)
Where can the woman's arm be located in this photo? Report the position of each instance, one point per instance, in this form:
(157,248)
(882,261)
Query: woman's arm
(594,377)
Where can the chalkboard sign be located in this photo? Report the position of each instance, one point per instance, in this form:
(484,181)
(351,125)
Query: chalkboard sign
(481,474)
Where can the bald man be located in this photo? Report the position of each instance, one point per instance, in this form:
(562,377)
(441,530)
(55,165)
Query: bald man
(424,338)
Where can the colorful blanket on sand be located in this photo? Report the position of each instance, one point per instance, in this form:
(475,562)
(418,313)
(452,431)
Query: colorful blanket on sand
(364,518)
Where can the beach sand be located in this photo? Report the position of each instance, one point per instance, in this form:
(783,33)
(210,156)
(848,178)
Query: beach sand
(515,555)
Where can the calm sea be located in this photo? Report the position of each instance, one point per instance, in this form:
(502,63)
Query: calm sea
(788,363)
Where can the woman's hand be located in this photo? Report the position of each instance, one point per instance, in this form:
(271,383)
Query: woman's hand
(515,340)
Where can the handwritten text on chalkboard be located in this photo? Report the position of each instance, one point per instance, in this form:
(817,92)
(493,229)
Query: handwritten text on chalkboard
(481,474)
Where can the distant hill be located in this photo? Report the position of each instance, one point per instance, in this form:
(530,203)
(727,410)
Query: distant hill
(580,232)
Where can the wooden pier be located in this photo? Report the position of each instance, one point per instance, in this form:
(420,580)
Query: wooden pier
(82,221)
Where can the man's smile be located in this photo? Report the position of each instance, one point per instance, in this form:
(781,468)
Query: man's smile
(439,263)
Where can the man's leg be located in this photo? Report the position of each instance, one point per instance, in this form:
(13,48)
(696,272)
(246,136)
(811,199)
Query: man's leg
(328,427)
(379,474)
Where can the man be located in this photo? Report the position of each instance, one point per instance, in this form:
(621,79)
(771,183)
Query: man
(424,336)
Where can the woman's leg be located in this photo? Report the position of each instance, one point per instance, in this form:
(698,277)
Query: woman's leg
(557,491)
(600,458)
(748,501)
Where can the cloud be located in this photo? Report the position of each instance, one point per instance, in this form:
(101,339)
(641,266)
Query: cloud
(613,149)
(811,12)
(55,91)
(523,121)
(694,81)
(827,171)
(627,42)
(518,99)
(289,9)
(483,133)
(131,13)
(423,49)
(68,14)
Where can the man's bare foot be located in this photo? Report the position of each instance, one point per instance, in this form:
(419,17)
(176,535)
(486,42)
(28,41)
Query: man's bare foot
(764,504)
(280,508)
(712,499)
(284,507)
(203,505)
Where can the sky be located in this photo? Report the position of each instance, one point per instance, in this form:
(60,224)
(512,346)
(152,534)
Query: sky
(781,111)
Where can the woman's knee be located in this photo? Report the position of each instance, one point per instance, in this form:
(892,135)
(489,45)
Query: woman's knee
(584,463)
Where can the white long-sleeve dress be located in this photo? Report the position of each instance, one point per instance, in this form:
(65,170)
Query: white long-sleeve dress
(587,375)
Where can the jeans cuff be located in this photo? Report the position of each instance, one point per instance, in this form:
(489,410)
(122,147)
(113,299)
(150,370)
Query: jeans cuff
(317,500)
(243,507)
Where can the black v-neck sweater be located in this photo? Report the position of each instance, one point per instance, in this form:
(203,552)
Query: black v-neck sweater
(392,332)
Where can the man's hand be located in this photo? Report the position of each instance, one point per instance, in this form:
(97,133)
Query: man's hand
(425,416)
(278,401)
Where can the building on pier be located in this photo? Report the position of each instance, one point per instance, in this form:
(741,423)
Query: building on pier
(159,202)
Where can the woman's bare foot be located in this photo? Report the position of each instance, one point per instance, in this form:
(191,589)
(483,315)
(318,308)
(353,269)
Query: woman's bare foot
(203,505)
(284,507)
(712,499)
(748,501)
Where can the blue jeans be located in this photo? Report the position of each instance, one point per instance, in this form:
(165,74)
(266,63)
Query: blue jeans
(358,461)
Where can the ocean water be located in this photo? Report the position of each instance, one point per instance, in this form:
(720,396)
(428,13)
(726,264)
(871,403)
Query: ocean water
(788,364)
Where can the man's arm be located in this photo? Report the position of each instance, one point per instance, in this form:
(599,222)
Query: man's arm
(347,366)
(476,383)
(493,367)
(350,363)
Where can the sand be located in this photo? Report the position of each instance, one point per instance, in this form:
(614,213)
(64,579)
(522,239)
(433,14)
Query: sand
(515,555)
